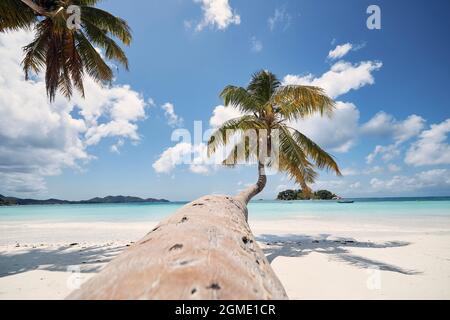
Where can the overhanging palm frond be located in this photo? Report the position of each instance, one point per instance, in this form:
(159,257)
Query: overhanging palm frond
(64,53)
(100,38)
(15,15)
(107,22)
(297,101)
(320,157)
(239,98)
(293,159)
(92,60)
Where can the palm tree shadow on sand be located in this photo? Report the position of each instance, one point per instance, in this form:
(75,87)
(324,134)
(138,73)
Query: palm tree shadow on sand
(90,259)
(302,245)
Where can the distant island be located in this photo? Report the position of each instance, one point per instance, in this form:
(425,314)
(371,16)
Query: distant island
(12,201)
(298,195)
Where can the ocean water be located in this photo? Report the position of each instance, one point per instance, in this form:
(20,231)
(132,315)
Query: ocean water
(258,210)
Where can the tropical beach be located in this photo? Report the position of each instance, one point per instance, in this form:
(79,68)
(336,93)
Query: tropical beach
(378,250)
(224,150)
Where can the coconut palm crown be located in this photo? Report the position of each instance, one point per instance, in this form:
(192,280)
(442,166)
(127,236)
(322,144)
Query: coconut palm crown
(66,53)
(267,104)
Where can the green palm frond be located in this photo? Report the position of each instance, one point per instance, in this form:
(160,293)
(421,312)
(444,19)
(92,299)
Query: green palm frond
(36,51)
(63,53)
(15,15)
(92,60)
(223,134)
(100,38)
(262,86)
(107,22)
(295,101)
(320,157)
(293,159)
(239,98)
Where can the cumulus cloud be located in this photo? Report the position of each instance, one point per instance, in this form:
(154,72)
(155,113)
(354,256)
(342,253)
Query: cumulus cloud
(340,51)
(183,153)
(387,153)
(222,114)
(280,18)
(341,78)
(384,125)
(217,14)
(437,178)
(336,133)
(172,118)
(432,147)
(38,138)
(346,172)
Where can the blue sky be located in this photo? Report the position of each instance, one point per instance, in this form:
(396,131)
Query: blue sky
(392,88)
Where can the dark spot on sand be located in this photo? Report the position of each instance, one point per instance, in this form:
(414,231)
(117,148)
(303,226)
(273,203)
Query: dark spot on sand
(177,246)
(246,240)
(214,286)
(193,291)
(197,204)
(184,219)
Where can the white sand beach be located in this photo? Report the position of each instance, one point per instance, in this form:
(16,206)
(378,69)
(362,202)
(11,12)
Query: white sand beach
(339,258)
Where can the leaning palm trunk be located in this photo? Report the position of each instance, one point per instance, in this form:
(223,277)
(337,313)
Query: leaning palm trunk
(246,195)
(206,250)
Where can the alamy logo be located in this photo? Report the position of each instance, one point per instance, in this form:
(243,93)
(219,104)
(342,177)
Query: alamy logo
(74,19)
(374,20)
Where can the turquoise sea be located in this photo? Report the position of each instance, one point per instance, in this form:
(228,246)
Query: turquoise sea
(258,210)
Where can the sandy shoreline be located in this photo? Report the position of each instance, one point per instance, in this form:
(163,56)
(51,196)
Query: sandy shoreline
(340,258)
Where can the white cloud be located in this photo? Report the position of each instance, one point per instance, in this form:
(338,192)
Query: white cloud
(384,125)
(394,168)
(387,153)
(172,157)
(374,170)
(172,118)
(437,178)
(184,153)
(336,133)
(340,51)
(256,45)
(39,139)
(355,185)
(341,78)
(217,13)
(432,147)
(280,18)
(346,172)
(222,114)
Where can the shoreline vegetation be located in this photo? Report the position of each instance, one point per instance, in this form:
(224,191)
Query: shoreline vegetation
(289,195)
(13,201)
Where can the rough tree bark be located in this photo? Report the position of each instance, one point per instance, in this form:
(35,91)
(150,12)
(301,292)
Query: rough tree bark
(206,250)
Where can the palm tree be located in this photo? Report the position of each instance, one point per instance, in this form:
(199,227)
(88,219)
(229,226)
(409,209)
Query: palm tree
(206,250)
(267,105)
(65,53)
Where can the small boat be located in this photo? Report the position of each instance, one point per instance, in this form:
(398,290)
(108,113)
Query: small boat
(346,201)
